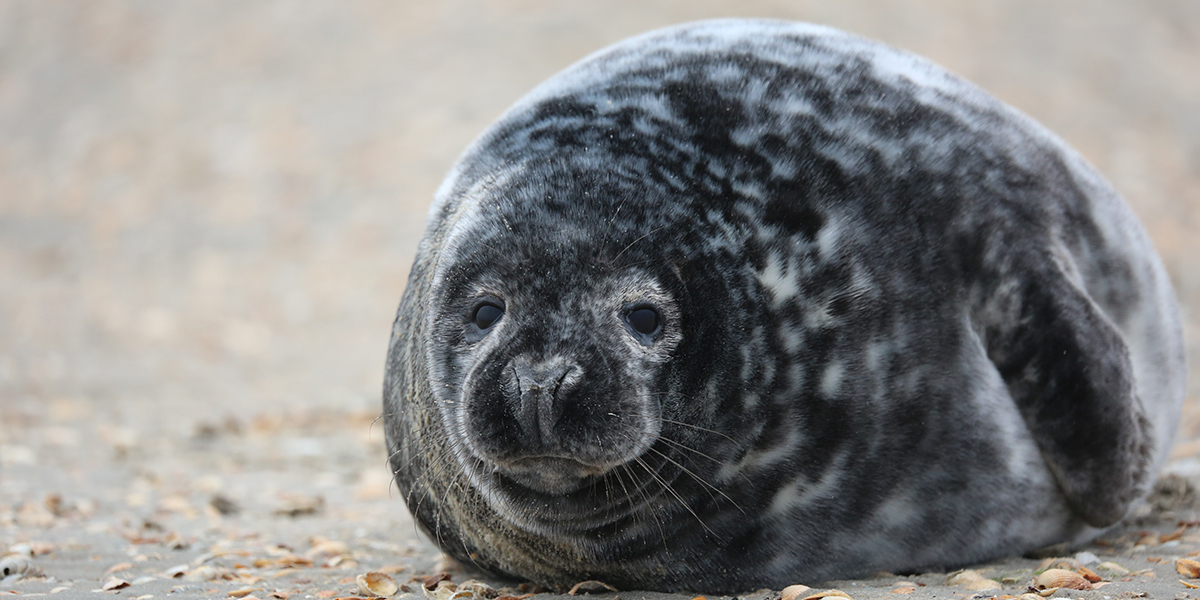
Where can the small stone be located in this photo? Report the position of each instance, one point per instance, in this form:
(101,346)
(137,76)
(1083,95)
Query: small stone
(224,505)
(295,505)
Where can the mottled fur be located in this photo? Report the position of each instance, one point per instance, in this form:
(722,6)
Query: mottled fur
(902,324)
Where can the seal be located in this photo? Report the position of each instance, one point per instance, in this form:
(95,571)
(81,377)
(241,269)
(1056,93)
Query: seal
(740,304)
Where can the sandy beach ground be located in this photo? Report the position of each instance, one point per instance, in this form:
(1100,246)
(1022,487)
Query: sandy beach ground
(207,215)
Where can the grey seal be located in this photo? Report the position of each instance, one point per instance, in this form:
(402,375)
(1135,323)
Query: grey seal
(748,303)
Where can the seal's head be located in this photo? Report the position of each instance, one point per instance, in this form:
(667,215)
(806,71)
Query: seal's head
(552,348)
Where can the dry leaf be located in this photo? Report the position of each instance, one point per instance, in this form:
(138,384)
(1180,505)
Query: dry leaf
(432,581)
(1167,537)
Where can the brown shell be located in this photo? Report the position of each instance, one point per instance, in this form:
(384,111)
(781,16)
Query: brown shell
(972,580)
(1114,567)
(376,584)
(1187,567)
(827,594)
(1061,578)
(792,592)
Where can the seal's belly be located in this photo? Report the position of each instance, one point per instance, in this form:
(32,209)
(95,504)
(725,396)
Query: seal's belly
(872,506)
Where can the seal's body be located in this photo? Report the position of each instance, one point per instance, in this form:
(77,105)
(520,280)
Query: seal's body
(746,303)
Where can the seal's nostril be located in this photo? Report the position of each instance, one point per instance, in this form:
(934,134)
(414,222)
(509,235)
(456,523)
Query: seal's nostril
(539,405)
(546,377)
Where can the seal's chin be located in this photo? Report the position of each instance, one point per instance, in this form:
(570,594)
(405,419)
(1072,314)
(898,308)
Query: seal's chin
(550,475)
(557,496)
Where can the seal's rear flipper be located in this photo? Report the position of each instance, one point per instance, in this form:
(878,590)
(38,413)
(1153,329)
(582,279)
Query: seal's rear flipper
(1068,369)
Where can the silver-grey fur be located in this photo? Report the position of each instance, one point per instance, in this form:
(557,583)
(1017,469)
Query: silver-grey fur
(893,324)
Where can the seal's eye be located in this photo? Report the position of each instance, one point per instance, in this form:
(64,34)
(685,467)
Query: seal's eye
(643,320)
(486,315)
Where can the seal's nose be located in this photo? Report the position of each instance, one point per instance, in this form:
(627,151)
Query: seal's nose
(543,386)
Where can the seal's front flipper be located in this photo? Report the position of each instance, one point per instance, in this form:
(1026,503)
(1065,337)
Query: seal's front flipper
(1068,369)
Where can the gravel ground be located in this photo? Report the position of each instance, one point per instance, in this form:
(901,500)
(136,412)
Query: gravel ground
(297,505)
(208,210)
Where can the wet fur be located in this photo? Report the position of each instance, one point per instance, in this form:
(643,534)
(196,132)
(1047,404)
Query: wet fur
(911,327)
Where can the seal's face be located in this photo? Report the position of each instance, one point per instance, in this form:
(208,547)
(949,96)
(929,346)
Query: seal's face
(549,361)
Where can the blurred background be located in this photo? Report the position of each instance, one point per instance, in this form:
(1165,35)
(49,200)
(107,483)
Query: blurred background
(208,209)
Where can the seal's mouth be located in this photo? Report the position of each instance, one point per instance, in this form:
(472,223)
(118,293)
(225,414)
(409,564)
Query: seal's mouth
(551,475)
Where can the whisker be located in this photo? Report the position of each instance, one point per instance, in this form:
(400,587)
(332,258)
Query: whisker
(675,494)
(644,236)
(612,220)
(708,486)
(696,427)
(646,499)
(689,449)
